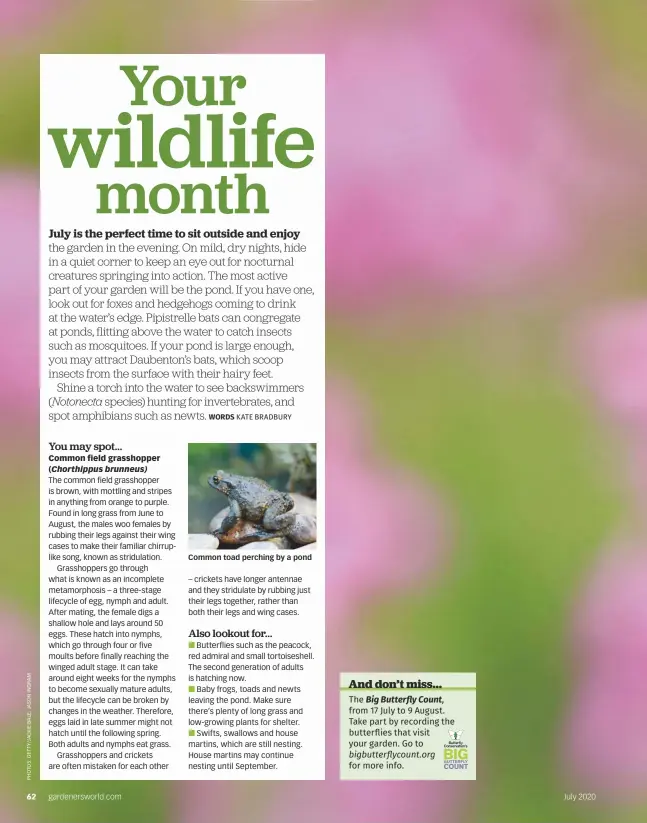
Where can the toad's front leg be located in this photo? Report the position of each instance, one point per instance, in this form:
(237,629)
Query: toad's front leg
(232,517)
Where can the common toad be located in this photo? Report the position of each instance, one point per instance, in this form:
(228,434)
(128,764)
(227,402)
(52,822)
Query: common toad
(255,501)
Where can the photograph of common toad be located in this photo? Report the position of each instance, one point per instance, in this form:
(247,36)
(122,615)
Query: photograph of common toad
(259,493)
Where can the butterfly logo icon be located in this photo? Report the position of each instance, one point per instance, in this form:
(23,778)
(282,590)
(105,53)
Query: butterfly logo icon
(456,735)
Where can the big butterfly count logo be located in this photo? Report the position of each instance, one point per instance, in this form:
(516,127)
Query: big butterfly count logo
(456,754)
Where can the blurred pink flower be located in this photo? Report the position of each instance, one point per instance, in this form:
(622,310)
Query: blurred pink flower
(384,528)
(16,16)
(18,656)
(613,356)
(453,152)
(609,707)
(8,813)
(612,616)
(606,736)
(18,296)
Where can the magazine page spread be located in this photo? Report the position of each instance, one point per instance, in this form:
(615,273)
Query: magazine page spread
(182,417)
(324,412)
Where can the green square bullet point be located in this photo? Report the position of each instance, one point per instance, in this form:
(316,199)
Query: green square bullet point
(191,688)
(191,732)
(192,645)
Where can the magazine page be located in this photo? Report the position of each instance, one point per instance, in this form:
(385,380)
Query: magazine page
(182,417)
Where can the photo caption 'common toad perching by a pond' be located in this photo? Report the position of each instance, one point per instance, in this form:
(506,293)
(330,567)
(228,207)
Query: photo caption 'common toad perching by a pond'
(257,512)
